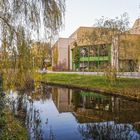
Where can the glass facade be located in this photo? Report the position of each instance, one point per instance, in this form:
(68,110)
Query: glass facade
(92,58)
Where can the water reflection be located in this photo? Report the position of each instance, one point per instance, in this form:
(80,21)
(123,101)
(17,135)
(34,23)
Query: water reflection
(60,113)
(109,131)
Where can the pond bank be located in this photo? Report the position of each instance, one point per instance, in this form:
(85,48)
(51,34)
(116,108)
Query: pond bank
(70,114)
(128,88)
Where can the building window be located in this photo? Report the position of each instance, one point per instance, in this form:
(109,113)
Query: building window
(93,51)
(103,50)
(86,51)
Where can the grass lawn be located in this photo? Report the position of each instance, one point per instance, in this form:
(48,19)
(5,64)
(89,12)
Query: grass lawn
(123,86)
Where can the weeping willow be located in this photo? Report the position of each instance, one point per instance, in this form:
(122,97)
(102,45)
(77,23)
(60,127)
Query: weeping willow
(21,22)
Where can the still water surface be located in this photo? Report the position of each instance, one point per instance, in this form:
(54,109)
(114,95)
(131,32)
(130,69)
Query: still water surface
(56,113)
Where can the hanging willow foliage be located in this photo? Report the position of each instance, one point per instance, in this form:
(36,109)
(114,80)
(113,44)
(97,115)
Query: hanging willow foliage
(22,21)
(31,14)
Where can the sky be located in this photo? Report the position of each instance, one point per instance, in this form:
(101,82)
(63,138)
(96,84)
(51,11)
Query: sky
(85,12)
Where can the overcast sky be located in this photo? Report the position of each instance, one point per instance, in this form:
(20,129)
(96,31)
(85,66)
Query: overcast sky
(85,12)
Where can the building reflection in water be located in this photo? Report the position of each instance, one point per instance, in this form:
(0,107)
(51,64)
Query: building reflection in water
(56,113)
(95,108)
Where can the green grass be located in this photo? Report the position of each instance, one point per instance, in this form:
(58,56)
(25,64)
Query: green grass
(124,86)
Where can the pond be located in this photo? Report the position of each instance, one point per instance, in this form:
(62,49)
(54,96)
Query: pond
(57,113)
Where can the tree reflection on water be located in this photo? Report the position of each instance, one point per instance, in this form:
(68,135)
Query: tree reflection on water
(33,123)
(23,106)
(108,131)
(60,113)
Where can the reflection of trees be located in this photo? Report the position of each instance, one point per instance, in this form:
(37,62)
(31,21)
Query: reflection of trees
(76,100)
(23,107)
(33,123)
(106,108)
(25,110)
(21,110)
(85,109)
(89,102)
(18,106)
(108,131)
(43,92)
(2,105)
(51,134)
(137,126)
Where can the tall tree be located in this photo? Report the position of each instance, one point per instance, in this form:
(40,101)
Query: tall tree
(107,31)
(22,21)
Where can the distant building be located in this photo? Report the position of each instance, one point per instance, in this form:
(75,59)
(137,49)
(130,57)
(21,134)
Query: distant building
(96,49)
(87,53)
(60,56)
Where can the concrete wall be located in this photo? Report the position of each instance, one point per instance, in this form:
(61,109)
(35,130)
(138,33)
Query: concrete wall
(72,39)
(62,51)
